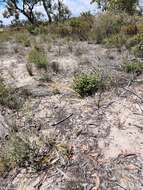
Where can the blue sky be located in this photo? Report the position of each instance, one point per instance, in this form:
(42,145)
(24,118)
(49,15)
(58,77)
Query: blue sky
(76,7)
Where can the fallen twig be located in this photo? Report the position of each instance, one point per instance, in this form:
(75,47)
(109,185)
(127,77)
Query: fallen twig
(133,93)
(139,127)
(121,186)
(63,173)
(62,120)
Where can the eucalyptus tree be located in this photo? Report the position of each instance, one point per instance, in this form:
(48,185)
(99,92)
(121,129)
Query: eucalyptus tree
(17,7)
(128,6)
(56,10)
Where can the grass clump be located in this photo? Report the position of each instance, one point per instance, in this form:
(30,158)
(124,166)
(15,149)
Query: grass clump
(135,67)
(87,84)
(138,50)
(134,40)
(38,58)
(13,153)
(23,39)
(117,40)
(8,97)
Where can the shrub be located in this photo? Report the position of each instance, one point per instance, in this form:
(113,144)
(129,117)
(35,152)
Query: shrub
(107,25)
(135,40)
(117,40)
(23,39)
(135,68)
(86,85)
(130,29)
(63,29)
(38,58)
(80,27)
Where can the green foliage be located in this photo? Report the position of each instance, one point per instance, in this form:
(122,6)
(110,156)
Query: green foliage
(118,5)
(38,58)
(133,67)
(124,5)
(87,84)
(23,39)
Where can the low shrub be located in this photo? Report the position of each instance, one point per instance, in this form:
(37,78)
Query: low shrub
(87,84)
(38,58)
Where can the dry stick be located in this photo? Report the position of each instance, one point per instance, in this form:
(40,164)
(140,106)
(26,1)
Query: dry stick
(62,120)
(133,93)
(139,127)
(121,186)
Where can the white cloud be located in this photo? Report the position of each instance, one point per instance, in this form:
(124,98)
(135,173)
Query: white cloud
(78,6)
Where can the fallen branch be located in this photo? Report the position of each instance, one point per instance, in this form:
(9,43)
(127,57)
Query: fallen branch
(62,120)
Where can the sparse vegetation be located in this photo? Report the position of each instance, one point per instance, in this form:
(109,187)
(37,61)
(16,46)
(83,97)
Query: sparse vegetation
(70,84)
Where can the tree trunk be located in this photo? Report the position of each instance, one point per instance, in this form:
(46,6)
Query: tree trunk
(48,12)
